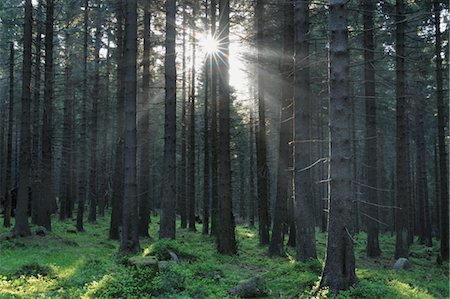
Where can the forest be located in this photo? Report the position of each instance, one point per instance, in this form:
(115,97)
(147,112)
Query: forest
(224,149)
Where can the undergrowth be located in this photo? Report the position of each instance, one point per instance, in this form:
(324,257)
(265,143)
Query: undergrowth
(86,265)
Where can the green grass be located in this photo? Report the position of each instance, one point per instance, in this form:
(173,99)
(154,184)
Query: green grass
(86,265)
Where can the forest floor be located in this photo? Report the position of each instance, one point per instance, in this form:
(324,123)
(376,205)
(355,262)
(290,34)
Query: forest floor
(86,265)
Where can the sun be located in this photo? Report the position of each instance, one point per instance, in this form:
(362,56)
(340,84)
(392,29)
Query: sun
(209,44)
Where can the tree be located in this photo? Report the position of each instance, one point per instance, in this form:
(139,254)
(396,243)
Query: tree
(8,181)
(191,133)
(167,226)
(83,136)
(306,242)
(226,240)
(443,168)
(373,247)
(215,218)
(251,179)
(93,185)
(339,269)
(117,196)
(144,128)
(285,157)
(182,169)
(261,155)
(130,219)
(401,214)
(44,209)
(21,227)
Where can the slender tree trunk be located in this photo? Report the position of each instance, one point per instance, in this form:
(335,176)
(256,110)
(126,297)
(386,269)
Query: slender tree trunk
(215,218)
(82,184)
(130,218)
(36,119)
(443,166)
(206,161)
(339,269)
(421,174)
(47,199)
(117,196)
(22,227)
(191,136)
(226,236)
(8,182)
(281,218)
(182,171)
(261,150)
(67,133)
(401,217)
(144,127)
(373,247)
(251,179)
(167,223)
(306,242)
(93,175)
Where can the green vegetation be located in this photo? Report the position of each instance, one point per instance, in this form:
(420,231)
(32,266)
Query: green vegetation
(86,265)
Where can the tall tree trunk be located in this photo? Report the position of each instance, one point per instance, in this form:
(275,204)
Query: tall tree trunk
(117,196)
(182,170)
(130,218)
(22,227)
(36,119)
(443,167)
(167,223)
(373,247)
(401,217)
(67,133)
(82,184)
(215,217)
(43,218)
(251,177)
(306,241)
(8,182)
(93,175)
(285,158)
(226,241)
(261,150)
(206,161)
(144,128)
(191,135)
(421,181)
(339,269)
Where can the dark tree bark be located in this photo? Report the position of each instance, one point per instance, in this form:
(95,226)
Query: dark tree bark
(339,269)
(421,181)
(182,170)
(306,241)
(251,177)
(93,175)
(82,184)
(129,242)
(144,128)
(443,166)
(8,181)
(44,210)
(373,247)
(285,158)
(117,196)
(22,227)
(261,150)
(36,119)
(215,218)
(206,161)
(191,136)
(66,172)
(401,214)
(167,224)
(226,240)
